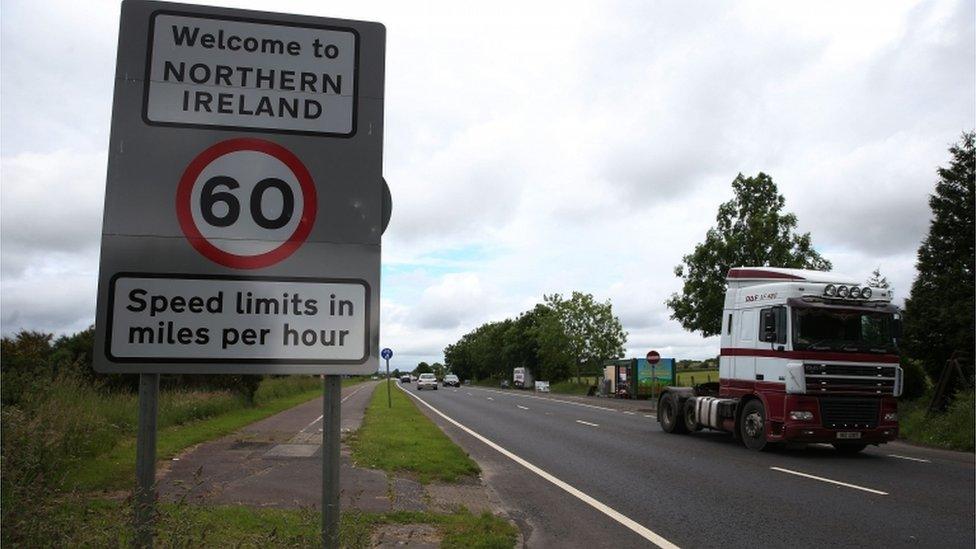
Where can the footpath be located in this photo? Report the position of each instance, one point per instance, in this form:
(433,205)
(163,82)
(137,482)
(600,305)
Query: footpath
(277,462)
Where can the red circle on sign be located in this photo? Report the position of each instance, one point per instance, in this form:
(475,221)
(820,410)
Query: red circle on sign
(653,357)
(197,240)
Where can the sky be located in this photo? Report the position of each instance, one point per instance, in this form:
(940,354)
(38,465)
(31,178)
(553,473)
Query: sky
(542,147)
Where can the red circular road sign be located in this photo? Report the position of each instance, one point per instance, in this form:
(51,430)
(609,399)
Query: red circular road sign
(246,203)
(653,357)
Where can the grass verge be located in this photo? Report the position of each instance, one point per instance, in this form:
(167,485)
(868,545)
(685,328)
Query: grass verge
(952,430)
(402,439)
(107,523)
(569,388)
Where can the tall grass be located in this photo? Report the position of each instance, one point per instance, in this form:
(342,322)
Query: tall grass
(953,429)
(55,426)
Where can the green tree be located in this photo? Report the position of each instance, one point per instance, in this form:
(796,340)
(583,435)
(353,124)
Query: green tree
(438,369)
(878,280)
(592,332)
(939,311)
(751,230)
(423,368)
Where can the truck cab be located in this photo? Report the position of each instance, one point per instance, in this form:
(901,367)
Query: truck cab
(806,356)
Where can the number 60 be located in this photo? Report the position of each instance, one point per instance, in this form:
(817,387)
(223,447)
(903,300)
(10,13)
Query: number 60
(210,196)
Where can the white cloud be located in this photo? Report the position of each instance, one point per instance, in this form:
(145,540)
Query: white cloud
(535,148)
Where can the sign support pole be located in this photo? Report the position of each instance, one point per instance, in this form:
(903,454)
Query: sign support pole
(330,461)
(389,399)
(145,500)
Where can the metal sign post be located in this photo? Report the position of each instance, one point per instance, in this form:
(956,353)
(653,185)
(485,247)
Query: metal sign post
(387,354)
(653,357)
(330,461)
(244,208)
(145,497)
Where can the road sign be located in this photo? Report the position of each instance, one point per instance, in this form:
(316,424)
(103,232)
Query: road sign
(244,199)
(386,353)
(653,357)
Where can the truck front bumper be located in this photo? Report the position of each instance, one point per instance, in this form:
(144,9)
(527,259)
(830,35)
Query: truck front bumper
(799,432)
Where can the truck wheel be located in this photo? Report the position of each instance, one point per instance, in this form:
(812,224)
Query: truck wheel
(848,448)
(688,416)
(752,425)
(669,416)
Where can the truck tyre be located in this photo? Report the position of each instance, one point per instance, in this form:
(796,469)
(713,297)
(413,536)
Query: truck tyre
(752,425)
(688,416)
(670,416)
(849,447)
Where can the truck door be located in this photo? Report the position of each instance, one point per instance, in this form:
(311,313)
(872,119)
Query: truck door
(745,365)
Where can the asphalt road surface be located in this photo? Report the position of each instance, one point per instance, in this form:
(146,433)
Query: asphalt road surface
(595,475)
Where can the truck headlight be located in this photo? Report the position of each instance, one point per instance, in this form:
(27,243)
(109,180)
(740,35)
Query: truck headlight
(855,292)
(891,416)
(830,290)
(866,293)
(842,291)
(801,415)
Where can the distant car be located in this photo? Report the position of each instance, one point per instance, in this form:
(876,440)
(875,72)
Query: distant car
(451,380)
(427,380)
(405,379)
(504,384)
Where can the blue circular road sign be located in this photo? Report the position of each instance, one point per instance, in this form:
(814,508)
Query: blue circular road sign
(386,353)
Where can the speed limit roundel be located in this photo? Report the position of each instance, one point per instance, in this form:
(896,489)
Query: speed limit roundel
(246,203)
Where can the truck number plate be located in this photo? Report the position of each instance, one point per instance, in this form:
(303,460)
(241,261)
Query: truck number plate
(848,434)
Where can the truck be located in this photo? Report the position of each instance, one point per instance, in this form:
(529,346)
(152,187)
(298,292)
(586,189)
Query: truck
(522,378)
(806,357)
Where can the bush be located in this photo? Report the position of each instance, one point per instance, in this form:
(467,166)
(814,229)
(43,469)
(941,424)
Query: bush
(916,381)
(953,429)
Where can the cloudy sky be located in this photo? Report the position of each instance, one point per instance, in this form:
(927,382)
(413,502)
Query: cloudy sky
(543,147)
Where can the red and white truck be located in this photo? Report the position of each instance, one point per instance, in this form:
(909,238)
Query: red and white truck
(807,357)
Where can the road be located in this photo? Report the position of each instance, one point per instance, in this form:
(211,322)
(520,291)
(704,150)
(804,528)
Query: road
(593,475)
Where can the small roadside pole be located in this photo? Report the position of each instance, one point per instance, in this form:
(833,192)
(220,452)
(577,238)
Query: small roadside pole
(212,261)
(387,354)
(653,357)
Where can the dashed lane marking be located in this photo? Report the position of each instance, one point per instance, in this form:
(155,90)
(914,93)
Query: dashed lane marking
(522,407)
(920,460)
(587,423)
(830,481)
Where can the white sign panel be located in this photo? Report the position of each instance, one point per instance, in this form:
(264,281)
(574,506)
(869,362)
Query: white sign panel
(236,73)
(237,319)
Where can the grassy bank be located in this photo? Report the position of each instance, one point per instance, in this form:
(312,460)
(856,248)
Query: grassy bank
(952,430)
(68,435)
(401,439)
(107,523)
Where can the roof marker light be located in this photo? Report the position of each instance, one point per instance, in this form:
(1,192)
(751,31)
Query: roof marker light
(855,292)
(866,293)
(842,291)
(830,290)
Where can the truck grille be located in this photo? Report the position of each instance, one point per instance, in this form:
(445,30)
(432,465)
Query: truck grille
(850,379)
(849,413)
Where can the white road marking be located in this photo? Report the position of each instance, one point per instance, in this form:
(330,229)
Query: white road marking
(837,482)
(627,522)
(511,393)
(489,398)
(587,423)
(920,460)
(630,413)
(318,419)
(648,415)
(469,394)
(522,407)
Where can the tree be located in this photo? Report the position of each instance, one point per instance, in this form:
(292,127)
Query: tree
(423,368)
(396,373)
(938,319)
(750,230)
(593,334)
(438,369)
(878,280)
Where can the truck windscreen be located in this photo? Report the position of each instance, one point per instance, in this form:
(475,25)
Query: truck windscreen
(818,329)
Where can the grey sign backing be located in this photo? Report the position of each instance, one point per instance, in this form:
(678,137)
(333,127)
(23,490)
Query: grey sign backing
(244,199)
